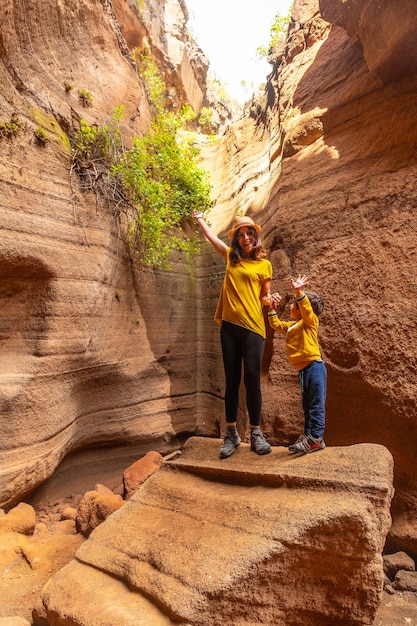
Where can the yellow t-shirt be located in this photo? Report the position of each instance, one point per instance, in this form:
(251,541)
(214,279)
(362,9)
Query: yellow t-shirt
(239,301)
(302,341)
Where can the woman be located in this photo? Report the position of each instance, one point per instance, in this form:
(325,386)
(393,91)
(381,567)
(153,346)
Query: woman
(246,287)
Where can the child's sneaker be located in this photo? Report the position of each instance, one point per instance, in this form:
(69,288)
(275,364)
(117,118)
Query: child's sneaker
(292,448)
(230,442)
(259,444)
(308,444)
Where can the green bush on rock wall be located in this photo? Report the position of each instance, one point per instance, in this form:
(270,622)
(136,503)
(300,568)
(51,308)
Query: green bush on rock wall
(159,177)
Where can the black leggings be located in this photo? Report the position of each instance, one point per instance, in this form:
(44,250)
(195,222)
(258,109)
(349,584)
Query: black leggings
(240,344)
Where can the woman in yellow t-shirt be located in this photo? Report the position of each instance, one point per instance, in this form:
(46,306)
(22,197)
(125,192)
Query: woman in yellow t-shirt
(246,288)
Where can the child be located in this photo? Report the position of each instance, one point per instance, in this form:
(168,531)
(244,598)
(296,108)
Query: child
(304,353)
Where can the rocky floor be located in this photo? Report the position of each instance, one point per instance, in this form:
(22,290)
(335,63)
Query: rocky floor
(27,562)
(397,610)
(20,589)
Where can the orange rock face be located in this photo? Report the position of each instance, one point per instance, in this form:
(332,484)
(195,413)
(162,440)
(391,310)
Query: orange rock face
(343,211)
(95,354)
(336,141)
(80,366)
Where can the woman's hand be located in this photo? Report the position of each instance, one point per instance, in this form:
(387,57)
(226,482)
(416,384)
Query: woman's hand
(275,300)
(198,215)
(266,299)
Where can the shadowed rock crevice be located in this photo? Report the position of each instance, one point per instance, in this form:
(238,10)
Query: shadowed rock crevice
(26,291)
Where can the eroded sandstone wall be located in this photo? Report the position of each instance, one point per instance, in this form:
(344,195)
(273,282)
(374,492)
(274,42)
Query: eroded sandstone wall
(95,353)
(338,126)
(87,357)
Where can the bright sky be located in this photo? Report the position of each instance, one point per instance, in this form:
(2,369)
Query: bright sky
(229,32)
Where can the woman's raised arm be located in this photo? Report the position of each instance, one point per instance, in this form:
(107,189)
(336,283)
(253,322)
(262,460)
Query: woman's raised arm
(217,243)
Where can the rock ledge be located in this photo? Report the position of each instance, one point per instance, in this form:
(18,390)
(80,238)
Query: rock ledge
(271,540)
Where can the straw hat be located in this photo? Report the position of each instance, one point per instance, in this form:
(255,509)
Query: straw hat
(243,220)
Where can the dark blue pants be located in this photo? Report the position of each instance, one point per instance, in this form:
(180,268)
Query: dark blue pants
(240,345)
(313,383)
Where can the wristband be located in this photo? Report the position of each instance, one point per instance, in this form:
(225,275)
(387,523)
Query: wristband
(300,298)
(271,313)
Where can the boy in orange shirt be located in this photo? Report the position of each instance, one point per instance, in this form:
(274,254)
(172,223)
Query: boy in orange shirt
(303,353)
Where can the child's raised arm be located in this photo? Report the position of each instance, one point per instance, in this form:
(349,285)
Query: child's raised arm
(298,284)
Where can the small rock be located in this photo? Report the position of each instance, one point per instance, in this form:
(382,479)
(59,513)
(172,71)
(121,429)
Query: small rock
(103,490)
(40,529)
(94,508)
(21,519)
(405,581)
(69,513)
(135,475)
(396,562)
(64,527)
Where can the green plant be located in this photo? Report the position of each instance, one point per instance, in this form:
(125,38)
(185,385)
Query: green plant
(85,98)
(187,114)
(94,149)
(148,71)
(159,178)
(212,138)
(278,33)
(68,86)
(205,119)
(11,128)
(41,135)
(100,143)
(162,177)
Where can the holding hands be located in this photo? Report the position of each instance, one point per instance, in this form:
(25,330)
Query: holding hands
(275,300)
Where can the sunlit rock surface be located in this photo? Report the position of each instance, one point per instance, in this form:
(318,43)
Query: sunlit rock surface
(336,200)
(90,358)
(277,540)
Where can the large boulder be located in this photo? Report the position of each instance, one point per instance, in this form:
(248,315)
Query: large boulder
(277,540)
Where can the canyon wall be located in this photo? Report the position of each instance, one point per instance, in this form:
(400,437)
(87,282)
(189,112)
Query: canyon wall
(344,212)
(102,361)
(86,366)
(339,166)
